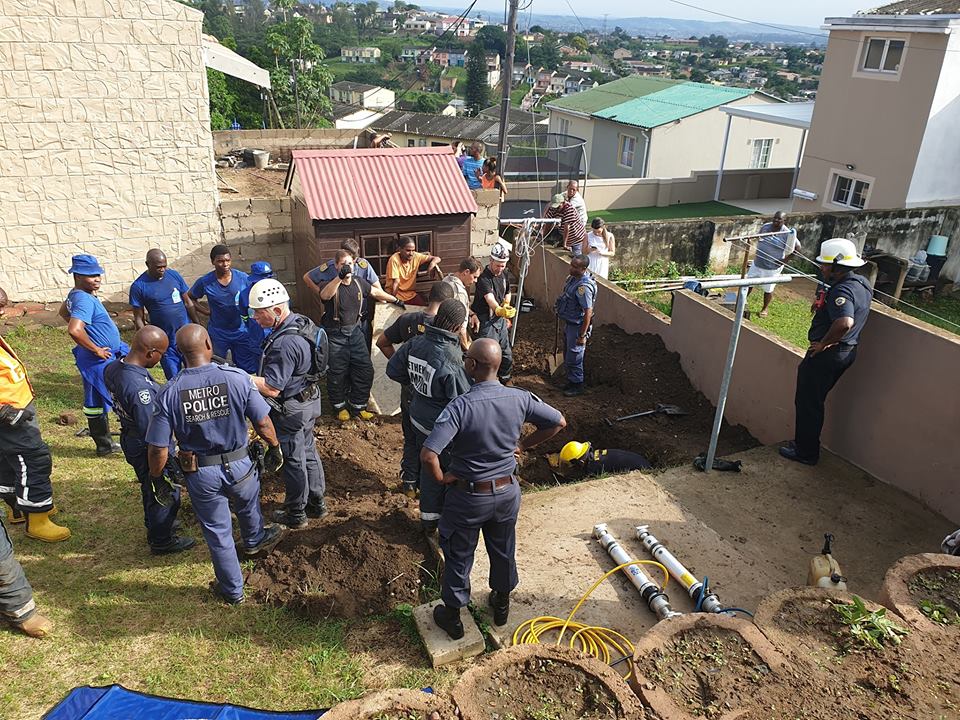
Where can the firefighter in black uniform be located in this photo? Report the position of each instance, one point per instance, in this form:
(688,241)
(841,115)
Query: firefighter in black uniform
(840,312)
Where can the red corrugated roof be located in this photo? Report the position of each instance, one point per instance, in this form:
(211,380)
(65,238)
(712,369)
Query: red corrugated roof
(382,183)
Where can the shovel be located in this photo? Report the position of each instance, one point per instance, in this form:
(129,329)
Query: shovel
(555,361)
(660,409)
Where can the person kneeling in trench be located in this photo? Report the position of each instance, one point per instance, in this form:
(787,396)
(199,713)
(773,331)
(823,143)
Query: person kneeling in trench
(578,460)
(482,430)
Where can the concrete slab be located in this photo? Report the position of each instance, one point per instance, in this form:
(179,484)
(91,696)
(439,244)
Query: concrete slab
(441,649)
(385,393)
(752,533)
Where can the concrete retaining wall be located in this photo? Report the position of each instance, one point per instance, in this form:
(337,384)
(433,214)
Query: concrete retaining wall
(281,142)
(260,229)
(484,228)
(894,413)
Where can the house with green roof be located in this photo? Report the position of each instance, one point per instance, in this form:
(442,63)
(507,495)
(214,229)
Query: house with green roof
(641,126)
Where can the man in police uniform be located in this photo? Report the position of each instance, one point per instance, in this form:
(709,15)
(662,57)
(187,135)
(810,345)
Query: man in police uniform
(289,379)
(580,459)
(25,462)
(840,313)
(159,297)
(431,366)
(206,408)
(407,326)
(491,304)
(97,342)
(575,308)
(350,374)
(482,431)
(134,392)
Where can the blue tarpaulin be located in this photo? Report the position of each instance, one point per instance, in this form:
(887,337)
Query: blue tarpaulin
(117,703)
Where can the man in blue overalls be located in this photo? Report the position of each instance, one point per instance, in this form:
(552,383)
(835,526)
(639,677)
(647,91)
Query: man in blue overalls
(97,342)
(491,304)
(222,287)
(206,408)
(159,297)
(575,308)
(431,365)
(134,392)
(289,379)
(482,430)
(840,312)
(260,270)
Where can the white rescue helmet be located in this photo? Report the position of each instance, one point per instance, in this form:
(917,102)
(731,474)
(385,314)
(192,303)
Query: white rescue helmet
(840,251)
(268,293)
(500,251)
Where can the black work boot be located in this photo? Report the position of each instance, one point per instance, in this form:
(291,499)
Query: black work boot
(573,390)
(272,534)
(99,427)
(318,509)
(15,515)
(177,544)
(448,619)
(294,521)
(500,602)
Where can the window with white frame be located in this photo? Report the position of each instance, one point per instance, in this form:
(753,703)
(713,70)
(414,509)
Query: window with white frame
(626,151)
(761,153)
(563,126)
(850,192)
(882,55)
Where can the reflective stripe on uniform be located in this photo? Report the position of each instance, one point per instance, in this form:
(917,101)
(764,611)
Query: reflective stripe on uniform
(92,411)
(22,497)
(429,516)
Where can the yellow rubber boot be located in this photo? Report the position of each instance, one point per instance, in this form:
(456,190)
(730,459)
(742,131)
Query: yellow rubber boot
(36,627)
(40,527)
(343,415)
(365,415)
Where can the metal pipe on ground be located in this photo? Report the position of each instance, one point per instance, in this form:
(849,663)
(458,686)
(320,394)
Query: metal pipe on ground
(653,594)
(710,602)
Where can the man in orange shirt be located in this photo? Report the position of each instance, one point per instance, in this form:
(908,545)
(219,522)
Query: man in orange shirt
(402,269)
(25,462)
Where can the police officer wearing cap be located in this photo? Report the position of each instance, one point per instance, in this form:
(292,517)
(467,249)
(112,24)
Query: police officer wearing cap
(431,365)
(840,312)
(574,308)
(206,408)
(289,380)
(350,375)
(491,304)
(405,327)
(482,431)
(260,270)
(134,392)
(159,296)
(97,343)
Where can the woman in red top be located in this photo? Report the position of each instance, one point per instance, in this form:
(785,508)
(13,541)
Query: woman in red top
(490,179)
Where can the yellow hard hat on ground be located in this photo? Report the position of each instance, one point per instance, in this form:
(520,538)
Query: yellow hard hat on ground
(574,450)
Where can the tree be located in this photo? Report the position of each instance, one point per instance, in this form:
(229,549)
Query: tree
(494,39)
(697,75)
(580,43)
(477,93)
(363,14)
(429,103)
(546,54)
(300,81)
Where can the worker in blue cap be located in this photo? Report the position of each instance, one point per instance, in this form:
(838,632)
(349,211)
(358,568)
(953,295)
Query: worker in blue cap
(260,270)
(97,343)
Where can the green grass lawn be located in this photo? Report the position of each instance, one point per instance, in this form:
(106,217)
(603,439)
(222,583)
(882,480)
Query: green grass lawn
(944,311)
(518,94)
(124,616)
(671,212)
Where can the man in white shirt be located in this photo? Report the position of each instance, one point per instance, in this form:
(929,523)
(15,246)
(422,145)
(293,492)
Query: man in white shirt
(466,276)
(576,199)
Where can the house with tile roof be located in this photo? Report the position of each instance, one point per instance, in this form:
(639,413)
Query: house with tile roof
(657,127)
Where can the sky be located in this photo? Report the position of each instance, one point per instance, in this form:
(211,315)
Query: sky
(792,12)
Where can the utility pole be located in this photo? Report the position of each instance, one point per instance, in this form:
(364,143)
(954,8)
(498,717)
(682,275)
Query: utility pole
(507,79)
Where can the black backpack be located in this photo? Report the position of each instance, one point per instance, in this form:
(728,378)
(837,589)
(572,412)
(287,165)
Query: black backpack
(317,339)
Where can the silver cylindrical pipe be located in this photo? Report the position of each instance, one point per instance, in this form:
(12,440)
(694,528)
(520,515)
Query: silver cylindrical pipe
(677,570)
(652,593)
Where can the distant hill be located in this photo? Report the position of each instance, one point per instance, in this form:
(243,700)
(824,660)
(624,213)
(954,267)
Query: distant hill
(655,26)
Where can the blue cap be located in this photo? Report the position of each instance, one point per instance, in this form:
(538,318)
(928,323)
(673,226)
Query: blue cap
(261,269)
(85,265)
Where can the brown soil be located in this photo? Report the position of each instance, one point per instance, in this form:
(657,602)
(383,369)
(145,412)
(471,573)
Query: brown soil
(708,671)
(368,555)
(250,182)
(940,587)
(542,688)
(625,374)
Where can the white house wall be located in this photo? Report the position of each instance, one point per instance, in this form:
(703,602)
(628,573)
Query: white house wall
(936,179)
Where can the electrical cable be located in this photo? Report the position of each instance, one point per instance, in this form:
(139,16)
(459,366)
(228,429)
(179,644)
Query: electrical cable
(741,610)
(589,639)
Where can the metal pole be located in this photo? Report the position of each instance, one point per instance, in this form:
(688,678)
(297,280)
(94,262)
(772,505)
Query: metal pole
(710,602)
(524,268)
(723,157)
(727,372)
(507,79)
(652,593)
(796,167)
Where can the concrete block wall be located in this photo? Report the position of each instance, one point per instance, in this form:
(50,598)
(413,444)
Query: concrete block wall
(105,144)
(260,229)
(280,142)
(485,226)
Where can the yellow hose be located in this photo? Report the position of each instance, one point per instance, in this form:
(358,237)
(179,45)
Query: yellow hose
(588,639)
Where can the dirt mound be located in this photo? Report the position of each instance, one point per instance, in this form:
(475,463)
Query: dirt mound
(625,374)
(347,566)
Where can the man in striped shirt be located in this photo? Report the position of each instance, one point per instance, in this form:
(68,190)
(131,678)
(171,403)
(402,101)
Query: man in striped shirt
(572,228)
